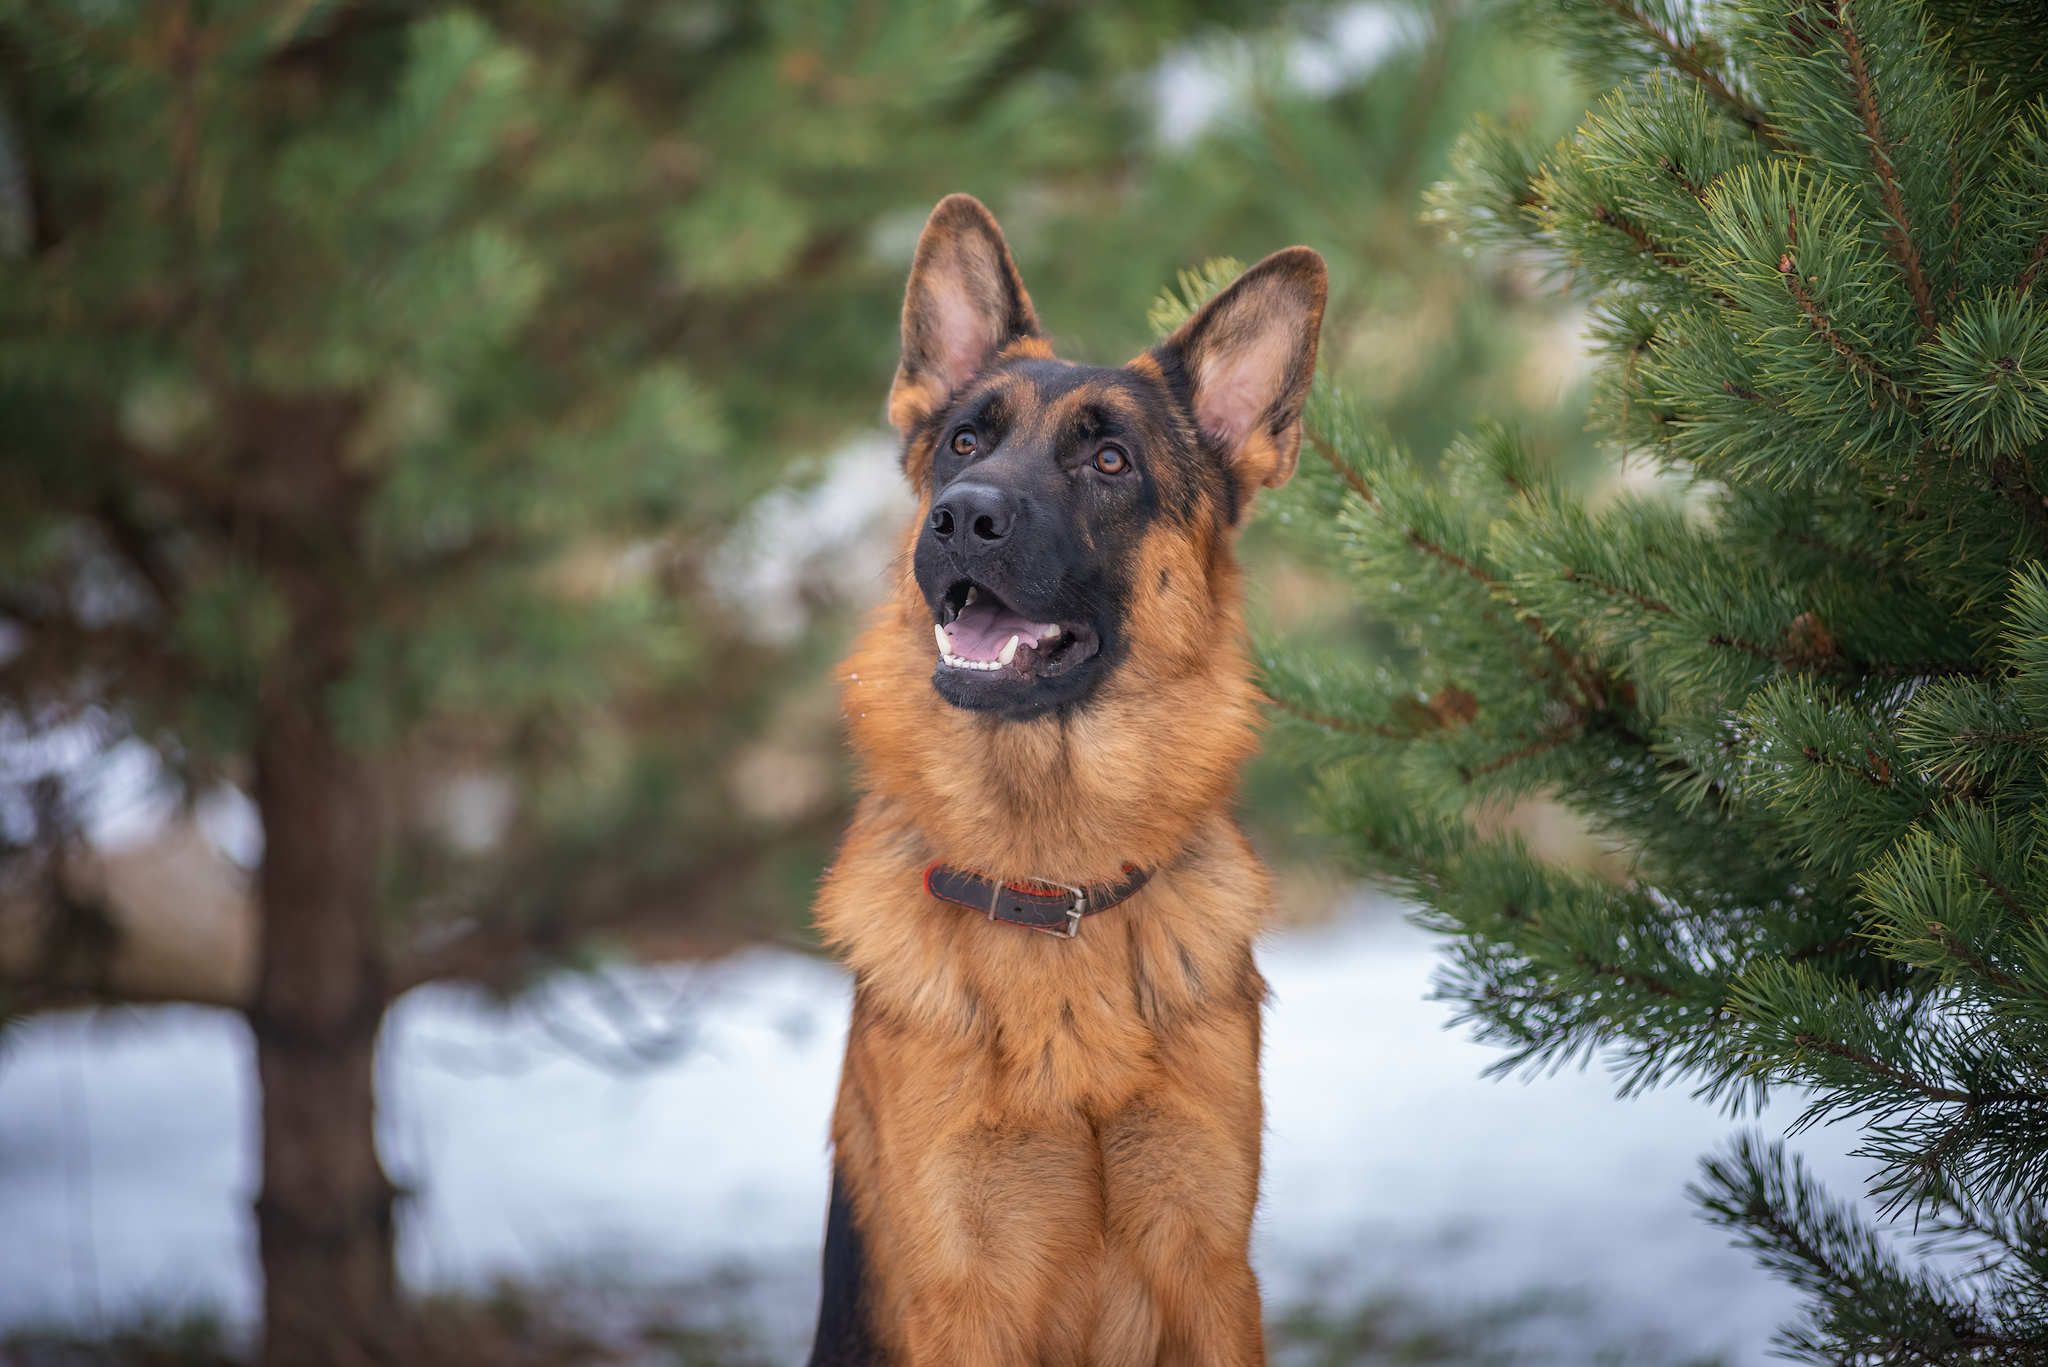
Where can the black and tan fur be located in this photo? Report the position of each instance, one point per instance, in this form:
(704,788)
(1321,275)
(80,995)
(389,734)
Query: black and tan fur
(1046,1150)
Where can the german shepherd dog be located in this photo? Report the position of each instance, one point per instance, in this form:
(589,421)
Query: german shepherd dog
(1046,1144)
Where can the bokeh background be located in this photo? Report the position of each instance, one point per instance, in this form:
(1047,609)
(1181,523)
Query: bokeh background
(541,347)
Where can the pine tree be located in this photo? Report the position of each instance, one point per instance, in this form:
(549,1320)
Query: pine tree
(1425,336)
(1803,689)
(376,384)
(1342,167)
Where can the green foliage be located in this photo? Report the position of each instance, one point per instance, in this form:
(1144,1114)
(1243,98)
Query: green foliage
(1422,333)
(1867,1306)
(1793,680)
(460,338)
(1197,288)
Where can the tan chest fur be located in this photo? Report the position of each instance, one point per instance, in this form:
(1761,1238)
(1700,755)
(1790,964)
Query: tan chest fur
(1053,1024)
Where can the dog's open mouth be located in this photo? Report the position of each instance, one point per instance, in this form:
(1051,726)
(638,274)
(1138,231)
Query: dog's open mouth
(978,632)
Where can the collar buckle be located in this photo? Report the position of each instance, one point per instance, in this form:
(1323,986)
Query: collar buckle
(1076,909)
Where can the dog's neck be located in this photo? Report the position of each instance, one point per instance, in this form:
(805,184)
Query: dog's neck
(1128,777)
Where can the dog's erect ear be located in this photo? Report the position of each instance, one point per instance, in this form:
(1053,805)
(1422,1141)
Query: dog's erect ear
(1248,357)
(965,302)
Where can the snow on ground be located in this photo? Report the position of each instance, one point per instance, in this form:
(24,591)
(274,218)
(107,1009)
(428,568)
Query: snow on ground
(127,1149)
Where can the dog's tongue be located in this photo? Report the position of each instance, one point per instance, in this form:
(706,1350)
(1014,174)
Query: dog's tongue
(983,628)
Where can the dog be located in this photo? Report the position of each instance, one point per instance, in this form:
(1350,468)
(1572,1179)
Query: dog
(1046,1138)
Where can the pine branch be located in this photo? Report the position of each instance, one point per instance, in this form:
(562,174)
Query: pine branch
(1982,740)
(1686,58)
(2026,280)
(1749,395)
(1747,647)
(1671,166)
(1818,320)
(1572,576)
(1644,243)
(1643,980)
(2012,482)
(1342,470)
(467,90)
(1679,771)
(1453,559)
(1898,234)
(1862,669)
(1334,723)
(1912,1083)
(1590,692)
(1789,1236)
(1515,757)
(1416,539)
(1977,964)
(1966,1220)
(1657,251)
(2003,893)
(1816,756)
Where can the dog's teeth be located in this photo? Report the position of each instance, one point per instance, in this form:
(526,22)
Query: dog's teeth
(1050,632)
(940,632)
(972,594)
(1009,651)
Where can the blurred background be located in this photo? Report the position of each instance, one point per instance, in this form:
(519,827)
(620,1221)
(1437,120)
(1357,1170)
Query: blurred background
(440,462)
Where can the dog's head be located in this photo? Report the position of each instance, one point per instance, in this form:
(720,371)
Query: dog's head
(1046,485)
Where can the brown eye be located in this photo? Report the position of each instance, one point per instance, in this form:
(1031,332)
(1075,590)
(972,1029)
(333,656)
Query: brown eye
(964,443)
(1112,461)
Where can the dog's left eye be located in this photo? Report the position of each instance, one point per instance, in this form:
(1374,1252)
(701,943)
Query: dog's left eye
(1112,461)
(964,443)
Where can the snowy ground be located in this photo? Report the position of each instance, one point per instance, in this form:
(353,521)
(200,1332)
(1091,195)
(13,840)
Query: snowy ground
(126,1150)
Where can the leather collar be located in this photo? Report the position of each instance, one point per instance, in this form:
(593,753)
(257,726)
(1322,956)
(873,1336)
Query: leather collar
(1055,908)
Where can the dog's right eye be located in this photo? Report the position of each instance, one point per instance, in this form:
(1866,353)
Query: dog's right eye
(965,443)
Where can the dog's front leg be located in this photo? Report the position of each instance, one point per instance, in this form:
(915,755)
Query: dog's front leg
(1000,1226)
(1181,1177)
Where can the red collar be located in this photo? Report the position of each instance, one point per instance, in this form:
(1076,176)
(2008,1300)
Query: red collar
(1055,908)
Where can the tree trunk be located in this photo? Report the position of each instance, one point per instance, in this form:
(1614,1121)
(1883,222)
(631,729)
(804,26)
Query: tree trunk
(324,1218)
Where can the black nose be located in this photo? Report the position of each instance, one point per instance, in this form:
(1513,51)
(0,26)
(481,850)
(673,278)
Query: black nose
(978,514)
